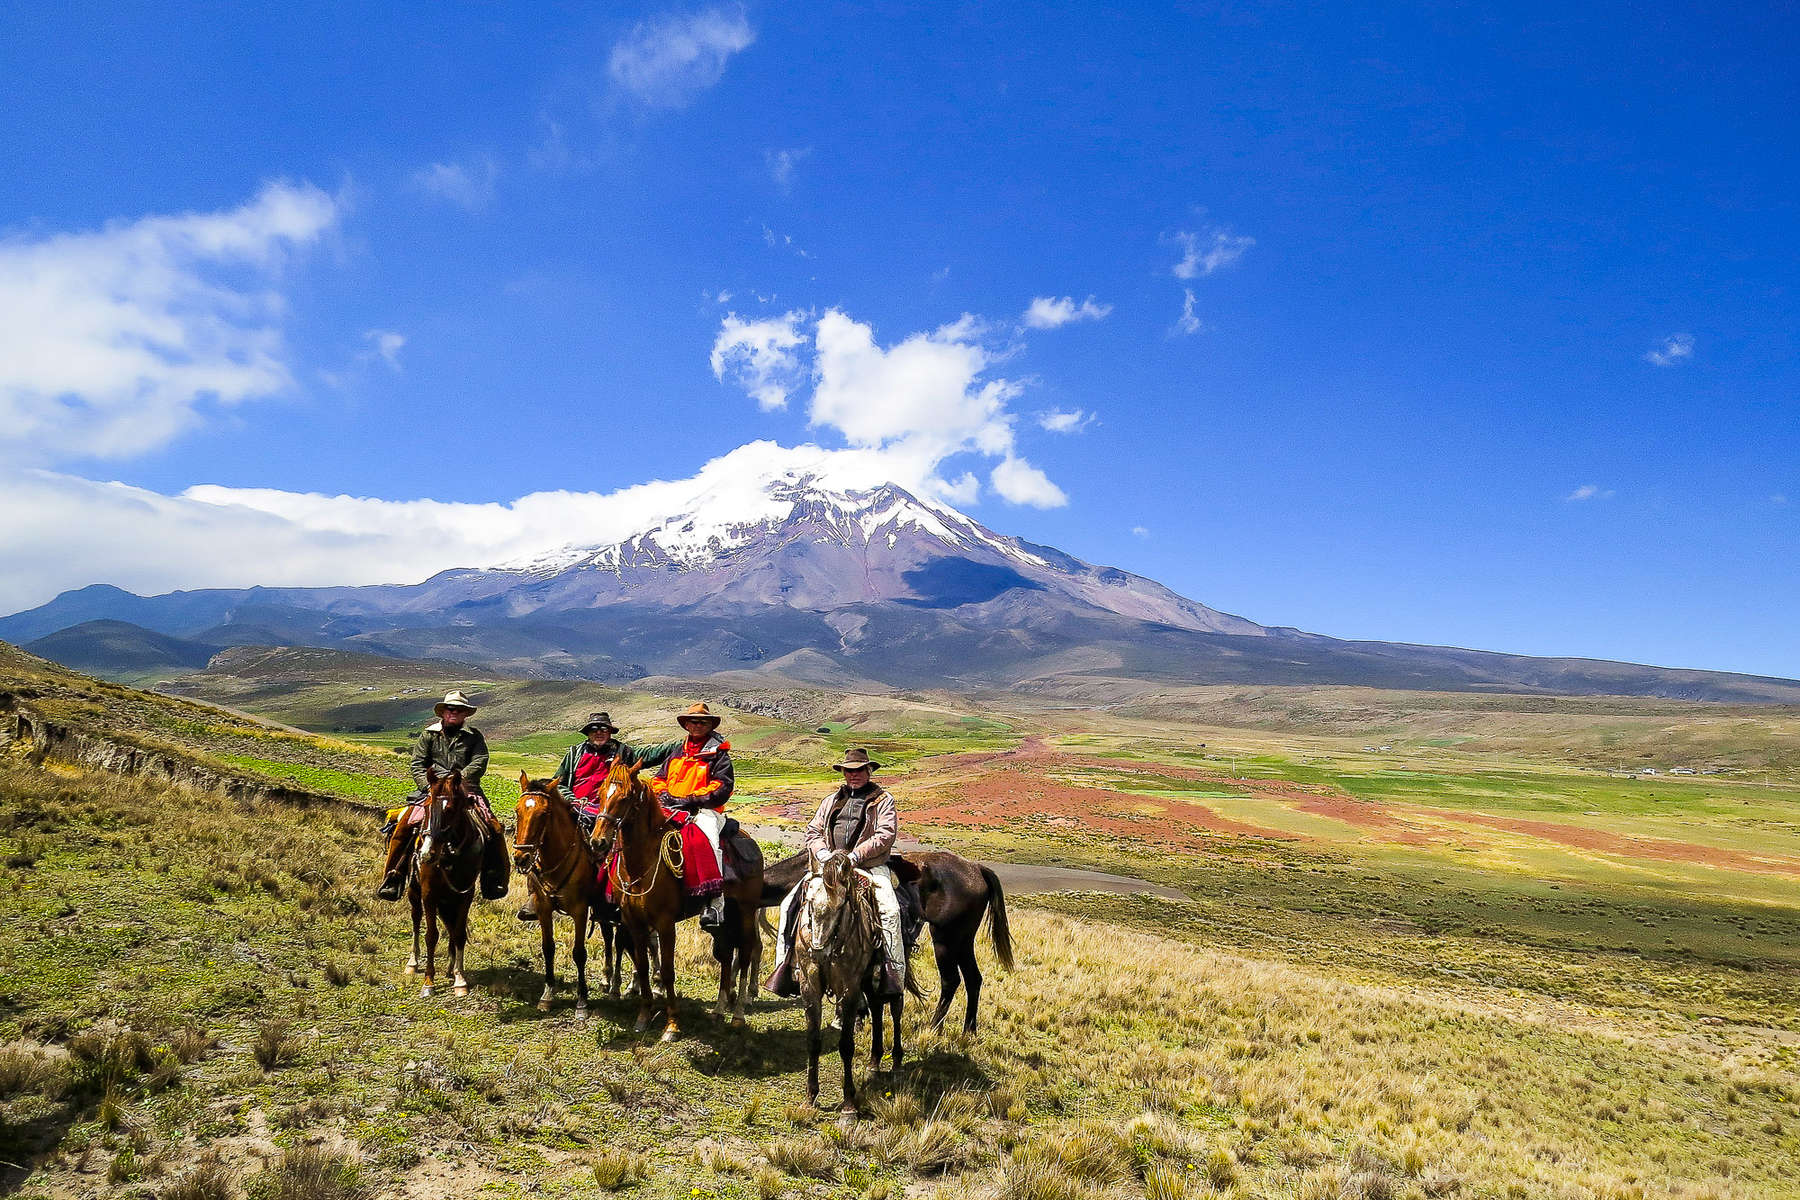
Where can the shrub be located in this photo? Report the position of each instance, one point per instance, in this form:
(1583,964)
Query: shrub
(27,1070)
(207,1180)
(615,1169)
(274,1046)
(311,1173)
(108,1056)
(810,1156)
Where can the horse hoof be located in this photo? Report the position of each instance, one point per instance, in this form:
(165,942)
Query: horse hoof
(640,1027)
(425,992)
(461,991)
(670,1035)
(412,968)
(543,1006)
(847,1109)
(581,1012)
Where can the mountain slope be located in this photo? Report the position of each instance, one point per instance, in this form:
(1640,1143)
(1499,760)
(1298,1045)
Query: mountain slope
(786,574)
(120,647)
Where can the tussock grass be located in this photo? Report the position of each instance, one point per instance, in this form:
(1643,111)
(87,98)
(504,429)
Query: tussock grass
(310,1173)
(613,1170)
(275,1046)
(811,1156)
(207,1179)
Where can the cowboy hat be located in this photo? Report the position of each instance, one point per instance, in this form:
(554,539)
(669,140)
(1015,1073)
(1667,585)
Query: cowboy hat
(599,720)
(453,700)
(698,712)
(856,759)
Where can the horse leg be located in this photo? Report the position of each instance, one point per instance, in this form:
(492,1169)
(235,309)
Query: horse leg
(418,909)
(431,941)
(665,945)
(749,960)
(971,972)
(949,974)
(547,932)
(875,1014)
(847,1050)
(459,943)
(896,1006)
(640,961)
(815,1042)
(722,954)
(580,953)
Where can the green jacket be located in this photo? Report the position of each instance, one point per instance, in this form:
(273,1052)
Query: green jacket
(633,756)
(463,750)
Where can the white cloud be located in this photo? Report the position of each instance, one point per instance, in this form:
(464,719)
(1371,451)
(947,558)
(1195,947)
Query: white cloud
(666,62)
(1139,531)
(1187,323)
(1019,482)
(468,185)
(1057,420)
(113,342)
(83,531)
(1207,251)
(760,357)
(781,164)
(1051,312)
(1674,349)
(385,344)
(1589,491)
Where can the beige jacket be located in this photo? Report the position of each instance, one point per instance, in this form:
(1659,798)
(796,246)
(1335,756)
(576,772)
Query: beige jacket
(875,833)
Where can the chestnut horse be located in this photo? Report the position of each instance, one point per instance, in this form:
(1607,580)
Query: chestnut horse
(561,871)
(646,882)
(956,894)
(445,872)
(835,955)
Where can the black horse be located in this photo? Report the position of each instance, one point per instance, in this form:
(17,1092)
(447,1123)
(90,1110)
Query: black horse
(955,894)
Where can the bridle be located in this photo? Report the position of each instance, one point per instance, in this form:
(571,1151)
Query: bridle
(435,836)
(532,867)
(668,854)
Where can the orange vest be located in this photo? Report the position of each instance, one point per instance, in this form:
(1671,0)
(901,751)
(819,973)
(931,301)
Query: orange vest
(683,775)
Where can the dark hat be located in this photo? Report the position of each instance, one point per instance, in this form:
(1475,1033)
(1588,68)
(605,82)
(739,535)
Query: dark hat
(698,712)
(856,758)
(599,720)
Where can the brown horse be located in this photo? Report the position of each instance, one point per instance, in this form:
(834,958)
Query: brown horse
(956,894)
(446,870)
(559,868)
(646,882)
(835,954)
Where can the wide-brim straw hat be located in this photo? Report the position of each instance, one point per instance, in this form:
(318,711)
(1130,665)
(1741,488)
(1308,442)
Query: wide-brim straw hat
(698,712)
(599,720)
(856,759)
(453,700)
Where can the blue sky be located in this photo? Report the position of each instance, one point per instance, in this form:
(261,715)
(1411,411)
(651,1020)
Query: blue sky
(1492,338)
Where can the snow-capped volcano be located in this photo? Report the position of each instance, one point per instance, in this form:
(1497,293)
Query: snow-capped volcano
(795,542)
(804,570)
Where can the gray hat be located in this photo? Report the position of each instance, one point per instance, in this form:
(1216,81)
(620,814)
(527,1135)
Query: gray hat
(599,720)
(856,759)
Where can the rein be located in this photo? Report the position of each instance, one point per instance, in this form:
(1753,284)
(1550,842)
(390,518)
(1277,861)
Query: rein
(534,869)
(668,854)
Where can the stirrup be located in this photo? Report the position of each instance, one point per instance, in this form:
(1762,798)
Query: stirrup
(390,887)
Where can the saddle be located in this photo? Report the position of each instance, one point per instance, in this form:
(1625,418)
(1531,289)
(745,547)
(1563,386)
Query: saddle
(912,902)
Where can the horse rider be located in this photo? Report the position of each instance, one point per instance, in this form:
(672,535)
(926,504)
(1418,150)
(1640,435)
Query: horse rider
(697,777)
(449,744)
(586,764)
(857,819)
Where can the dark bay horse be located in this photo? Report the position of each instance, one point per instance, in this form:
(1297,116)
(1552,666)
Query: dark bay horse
(446,870)
(835,955)
(646,882)
(550,851)
(957,894)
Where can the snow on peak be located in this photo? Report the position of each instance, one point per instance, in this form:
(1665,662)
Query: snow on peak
(769,487)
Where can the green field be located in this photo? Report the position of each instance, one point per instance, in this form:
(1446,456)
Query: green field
(1402,974)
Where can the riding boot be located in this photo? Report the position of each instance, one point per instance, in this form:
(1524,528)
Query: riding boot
(713,915)
(399,853)
(782,982)
(495,869)
(528,910)
(893,981)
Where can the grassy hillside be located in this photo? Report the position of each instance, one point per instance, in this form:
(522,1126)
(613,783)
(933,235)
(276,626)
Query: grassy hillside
(1426,971)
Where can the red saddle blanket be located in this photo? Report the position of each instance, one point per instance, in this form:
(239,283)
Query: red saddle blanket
(700,878)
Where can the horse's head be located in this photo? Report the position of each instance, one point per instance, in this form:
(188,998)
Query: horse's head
(620,797)
(448,800)
(832,902)
(539,801)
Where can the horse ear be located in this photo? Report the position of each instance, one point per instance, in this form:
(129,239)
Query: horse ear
(431,776)
(524,782)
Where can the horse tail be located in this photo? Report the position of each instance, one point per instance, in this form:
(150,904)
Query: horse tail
(997,926)
(762,919)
